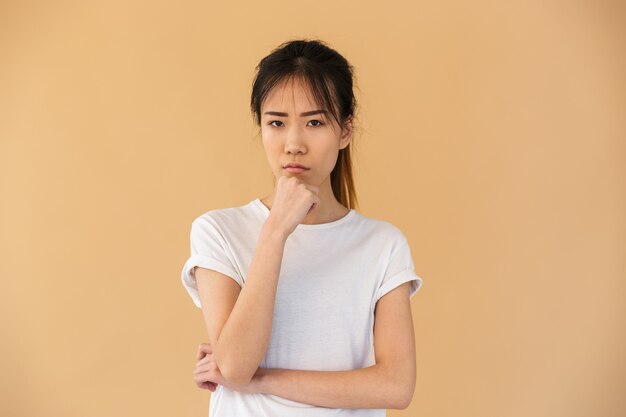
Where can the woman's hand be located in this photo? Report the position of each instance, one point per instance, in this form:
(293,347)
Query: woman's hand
(294,199)
(207,374)
(203,380)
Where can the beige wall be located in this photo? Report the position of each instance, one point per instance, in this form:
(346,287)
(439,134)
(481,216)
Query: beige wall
(493,135)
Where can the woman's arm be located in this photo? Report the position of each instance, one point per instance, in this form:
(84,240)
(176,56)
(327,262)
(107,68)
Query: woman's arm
(389,383)
(371,387)
(244,338)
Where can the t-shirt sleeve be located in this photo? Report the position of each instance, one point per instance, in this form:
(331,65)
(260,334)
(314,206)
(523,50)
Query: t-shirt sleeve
(209,249)
(399,270)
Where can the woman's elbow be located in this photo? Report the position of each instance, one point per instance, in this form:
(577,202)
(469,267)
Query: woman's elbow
(233,372)
(404,402)
(236,376)
(405,397)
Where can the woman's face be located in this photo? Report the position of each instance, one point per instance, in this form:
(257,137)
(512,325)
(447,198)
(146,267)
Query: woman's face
(313,139)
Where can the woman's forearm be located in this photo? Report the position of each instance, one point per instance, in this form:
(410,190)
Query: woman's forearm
(371,387)
(245,336)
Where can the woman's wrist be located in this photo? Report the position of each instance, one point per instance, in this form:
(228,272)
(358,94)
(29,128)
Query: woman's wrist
(273,228)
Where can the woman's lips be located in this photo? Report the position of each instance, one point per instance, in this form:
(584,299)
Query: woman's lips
(295,169)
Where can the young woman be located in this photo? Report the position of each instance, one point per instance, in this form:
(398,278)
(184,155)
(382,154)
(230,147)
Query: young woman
(306,301)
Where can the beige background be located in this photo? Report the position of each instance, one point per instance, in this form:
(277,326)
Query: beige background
(492,133)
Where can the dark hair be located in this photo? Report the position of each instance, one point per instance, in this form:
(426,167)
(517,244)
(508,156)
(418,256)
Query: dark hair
(330,77)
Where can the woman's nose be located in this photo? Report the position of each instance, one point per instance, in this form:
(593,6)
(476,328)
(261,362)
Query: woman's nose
(294,142)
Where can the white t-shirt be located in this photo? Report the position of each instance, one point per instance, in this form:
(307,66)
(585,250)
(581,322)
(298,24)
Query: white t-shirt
(331,276)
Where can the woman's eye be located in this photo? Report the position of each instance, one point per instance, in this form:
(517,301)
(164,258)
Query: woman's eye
(318,123)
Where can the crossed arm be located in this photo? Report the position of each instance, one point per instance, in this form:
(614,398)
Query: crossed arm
(371,387)
(389,383)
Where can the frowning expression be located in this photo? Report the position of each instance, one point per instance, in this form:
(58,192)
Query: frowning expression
(295,129)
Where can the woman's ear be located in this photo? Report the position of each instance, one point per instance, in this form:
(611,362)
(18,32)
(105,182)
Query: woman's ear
(346,133)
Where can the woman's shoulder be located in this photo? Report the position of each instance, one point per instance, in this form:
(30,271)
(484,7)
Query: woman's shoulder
(226,216)
(383,229)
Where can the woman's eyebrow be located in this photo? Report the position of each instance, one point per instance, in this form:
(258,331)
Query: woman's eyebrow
(306,113)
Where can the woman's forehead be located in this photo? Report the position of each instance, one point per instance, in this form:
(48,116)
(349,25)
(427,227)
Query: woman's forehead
(289,91)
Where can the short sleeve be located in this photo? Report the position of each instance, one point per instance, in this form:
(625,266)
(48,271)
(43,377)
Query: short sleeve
(399,270)
(209,249)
